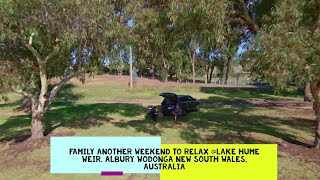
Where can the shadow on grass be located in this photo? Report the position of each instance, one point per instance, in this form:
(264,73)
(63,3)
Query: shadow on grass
(232,125)
(8,105)
(148,127)
(228,125)
(70,115)
(213,124)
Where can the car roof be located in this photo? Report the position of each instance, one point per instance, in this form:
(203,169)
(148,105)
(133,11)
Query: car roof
(173,95)
(167,94)
(181,96)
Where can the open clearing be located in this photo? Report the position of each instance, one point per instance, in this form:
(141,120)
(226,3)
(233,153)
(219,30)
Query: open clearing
(104,106)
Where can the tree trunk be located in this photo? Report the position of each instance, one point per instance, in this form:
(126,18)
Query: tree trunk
(131,73)
(37,125)
(307,92)
(315,89)
(249,20)
(207,74)
(180,75)
(227,70)
(165,79)
(39,106)
(26,106)
(317,134)
(153,72)
(177,79)
(211,72)
(193,68)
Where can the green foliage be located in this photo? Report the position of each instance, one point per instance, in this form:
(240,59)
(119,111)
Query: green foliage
(164,36)
(165,33)
(287,49)
(75,33)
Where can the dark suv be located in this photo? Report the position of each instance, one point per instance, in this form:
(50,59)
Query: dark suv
(186,102)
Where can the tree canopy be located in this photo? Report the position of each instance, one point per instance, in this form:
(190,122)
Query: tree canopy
(287,48)
(43,40)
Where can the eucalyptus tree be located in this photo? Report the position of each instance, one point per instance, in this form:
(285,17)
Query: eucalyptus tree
(43,40)
(233,31)
(163,29)
(143,35)
(251,13)
(288,48)
(152,35)
(192,20)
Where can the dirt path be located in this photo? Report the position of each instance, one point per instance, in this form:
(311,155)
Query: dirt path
(288,103)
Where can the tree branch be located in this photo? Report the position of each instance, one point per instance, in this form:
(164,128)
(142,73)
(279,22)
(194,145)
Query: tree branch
(33,51)
(189,53)
(56,89)
(51,55)
(30,39)
(240,16)
(249,21)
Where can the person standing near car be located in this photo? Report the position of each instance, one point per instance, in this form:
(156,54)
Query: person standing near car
(177,111)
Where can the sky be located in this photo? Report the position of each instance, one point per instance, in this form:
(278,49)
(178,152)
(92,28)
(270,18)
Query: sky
(241,49)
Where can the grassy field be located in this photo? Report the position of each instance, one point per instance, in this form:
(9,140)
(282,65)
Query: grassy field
(227,115)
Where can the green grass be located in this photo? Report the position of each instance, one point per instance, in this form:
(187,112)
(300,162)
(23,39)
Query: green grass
(117,92)
(292,168)
(213,124)
(9,98)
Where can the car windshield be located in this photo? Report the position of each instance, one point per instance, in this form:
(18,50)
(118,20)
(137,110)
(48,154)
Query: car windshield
(167,102)
(186,98)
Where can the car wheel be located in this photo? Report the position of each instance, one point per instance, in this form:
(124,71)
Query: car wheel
(198,108)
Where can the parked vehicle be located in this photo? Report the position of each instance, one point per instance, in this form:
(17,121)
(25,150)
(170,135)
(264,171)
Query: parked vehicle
(186,102)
